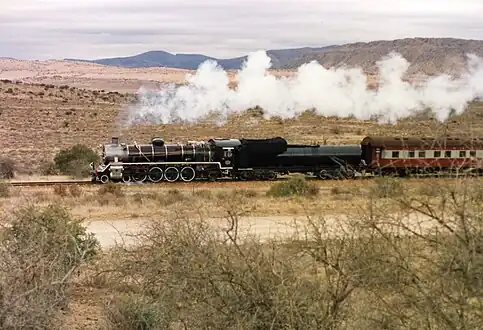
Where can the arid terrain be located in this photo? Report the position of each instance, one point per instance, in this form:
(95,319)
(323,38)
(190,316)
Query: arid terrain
(37,120)
(184,276)
(428,56)
(193,236)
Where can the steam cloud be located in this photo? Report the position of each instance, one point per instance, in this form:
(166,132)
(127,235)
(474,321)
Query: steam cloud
(330,92)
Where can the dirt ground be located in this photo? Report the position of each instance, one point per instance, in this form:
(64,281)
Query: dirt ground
(62,103)
(36,121)
(207,199)
(46,106)
(115,215)
(98,77)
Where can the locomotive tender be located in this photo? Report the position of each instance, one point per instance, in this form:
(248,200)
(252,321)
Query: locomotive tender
(243,159)
(265,159)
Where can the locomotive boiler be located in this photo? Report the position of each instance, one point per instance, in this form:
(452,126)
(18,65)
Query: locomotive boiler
(154,162)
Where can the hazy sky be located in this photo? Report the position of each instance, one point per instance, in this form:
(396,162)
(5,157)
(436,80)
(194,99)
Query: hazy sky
(43,29)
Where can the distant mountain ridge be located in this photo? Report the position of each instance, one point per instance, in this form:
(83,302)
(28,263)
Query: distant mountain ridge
(426,55)
(280,58)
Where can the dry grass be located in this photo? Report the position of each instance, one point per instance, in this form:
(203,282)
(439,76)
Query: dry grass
(39,120)
(248,198)
(183,274)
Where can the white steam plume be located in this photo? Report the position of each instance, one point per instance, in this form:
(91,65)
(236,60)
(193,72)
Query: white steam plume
(331,92)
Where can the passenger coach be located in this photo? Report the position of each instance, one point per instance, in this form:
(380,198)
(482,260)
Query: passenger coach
(405,155)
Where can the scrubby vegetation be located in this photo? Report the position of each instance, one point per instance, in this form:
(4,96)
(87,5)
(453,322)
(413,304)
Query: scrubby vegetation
(7,168)
(295,186)
(374,271)
(40,253)
(415,269)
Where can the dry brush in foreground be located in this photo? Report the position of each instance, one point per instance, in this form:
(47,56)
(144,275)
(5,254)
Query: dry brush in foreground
(374,271)
(41,252)
(377,270)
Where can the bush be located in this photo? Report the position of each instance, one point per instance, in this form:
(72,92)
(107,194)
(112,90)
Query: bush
(39,255)
(7,168)
(134,312)
(190,276)
(75,190)
(75,160)
(4,189)
(387,187)
(48,168)
(110,189)
(296,186)
(60,190)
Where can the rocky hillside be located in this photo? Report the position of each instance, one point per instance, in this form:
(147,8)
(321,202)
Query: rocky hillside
(426,55)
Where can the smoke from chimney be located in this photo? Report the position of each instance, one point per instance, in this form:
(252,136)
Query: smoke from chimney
(330,92)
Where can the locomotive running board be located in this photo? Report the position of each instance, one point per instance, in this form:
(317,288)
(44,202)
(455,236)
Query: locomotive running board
(174,163)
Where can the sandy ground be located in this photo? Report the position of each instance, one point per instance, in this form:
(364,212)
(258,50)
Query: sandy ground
(110,232)
(122,231)
(96,76)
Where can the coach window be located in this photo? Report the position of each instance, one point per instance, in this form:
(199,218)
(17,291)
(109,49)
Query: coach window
(473,153)
(437,154)
(421,154)
(462,153)
(411,154)
(395,154)
(447,154)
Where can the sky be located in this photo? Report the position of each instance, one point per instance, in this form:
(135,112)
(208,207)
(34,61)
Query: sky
(91,29)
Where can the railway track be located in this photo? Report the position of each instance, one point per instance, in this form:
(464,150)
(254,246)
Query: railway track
(199,184)
(48,183)
(144,184)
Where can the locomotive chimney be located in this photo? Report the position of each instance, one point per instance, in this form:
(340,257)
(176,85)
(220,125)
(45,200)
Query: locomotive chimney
(115,140)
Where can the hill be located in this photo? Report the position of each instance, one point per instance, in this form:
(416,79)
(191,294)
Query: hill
(280,58)
(427,55)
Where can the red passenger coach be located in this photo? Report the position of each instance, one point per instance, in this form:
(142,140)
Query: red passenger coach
(406,155)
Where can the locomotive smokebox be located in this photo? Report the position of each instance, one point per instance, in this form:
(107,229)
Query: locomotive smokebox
(115,140)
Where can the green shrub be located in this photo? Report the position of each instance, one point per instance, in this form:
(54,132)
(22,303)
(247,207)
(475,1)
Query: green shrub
(296,186)
(134,312)
(53,229)
(75,160)
(48,168)
(7,168)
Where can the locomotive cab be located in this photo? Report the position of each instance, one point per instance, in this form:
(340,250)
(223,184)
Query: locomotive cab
(225,151)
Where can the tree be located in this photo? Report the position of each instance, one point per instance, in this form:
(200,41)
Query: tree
(75,160)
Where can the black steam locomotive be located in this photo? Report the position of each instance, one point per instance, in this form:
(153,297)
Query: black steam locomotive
(242,159)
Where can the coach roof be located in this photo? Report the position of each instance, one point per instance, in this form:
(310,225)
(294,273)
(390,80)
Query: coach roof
(390,141)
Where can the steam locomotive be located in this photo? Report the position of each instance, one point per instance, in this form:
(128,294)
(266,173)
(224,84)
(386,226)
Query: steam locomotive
(265,159)
(242,159)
